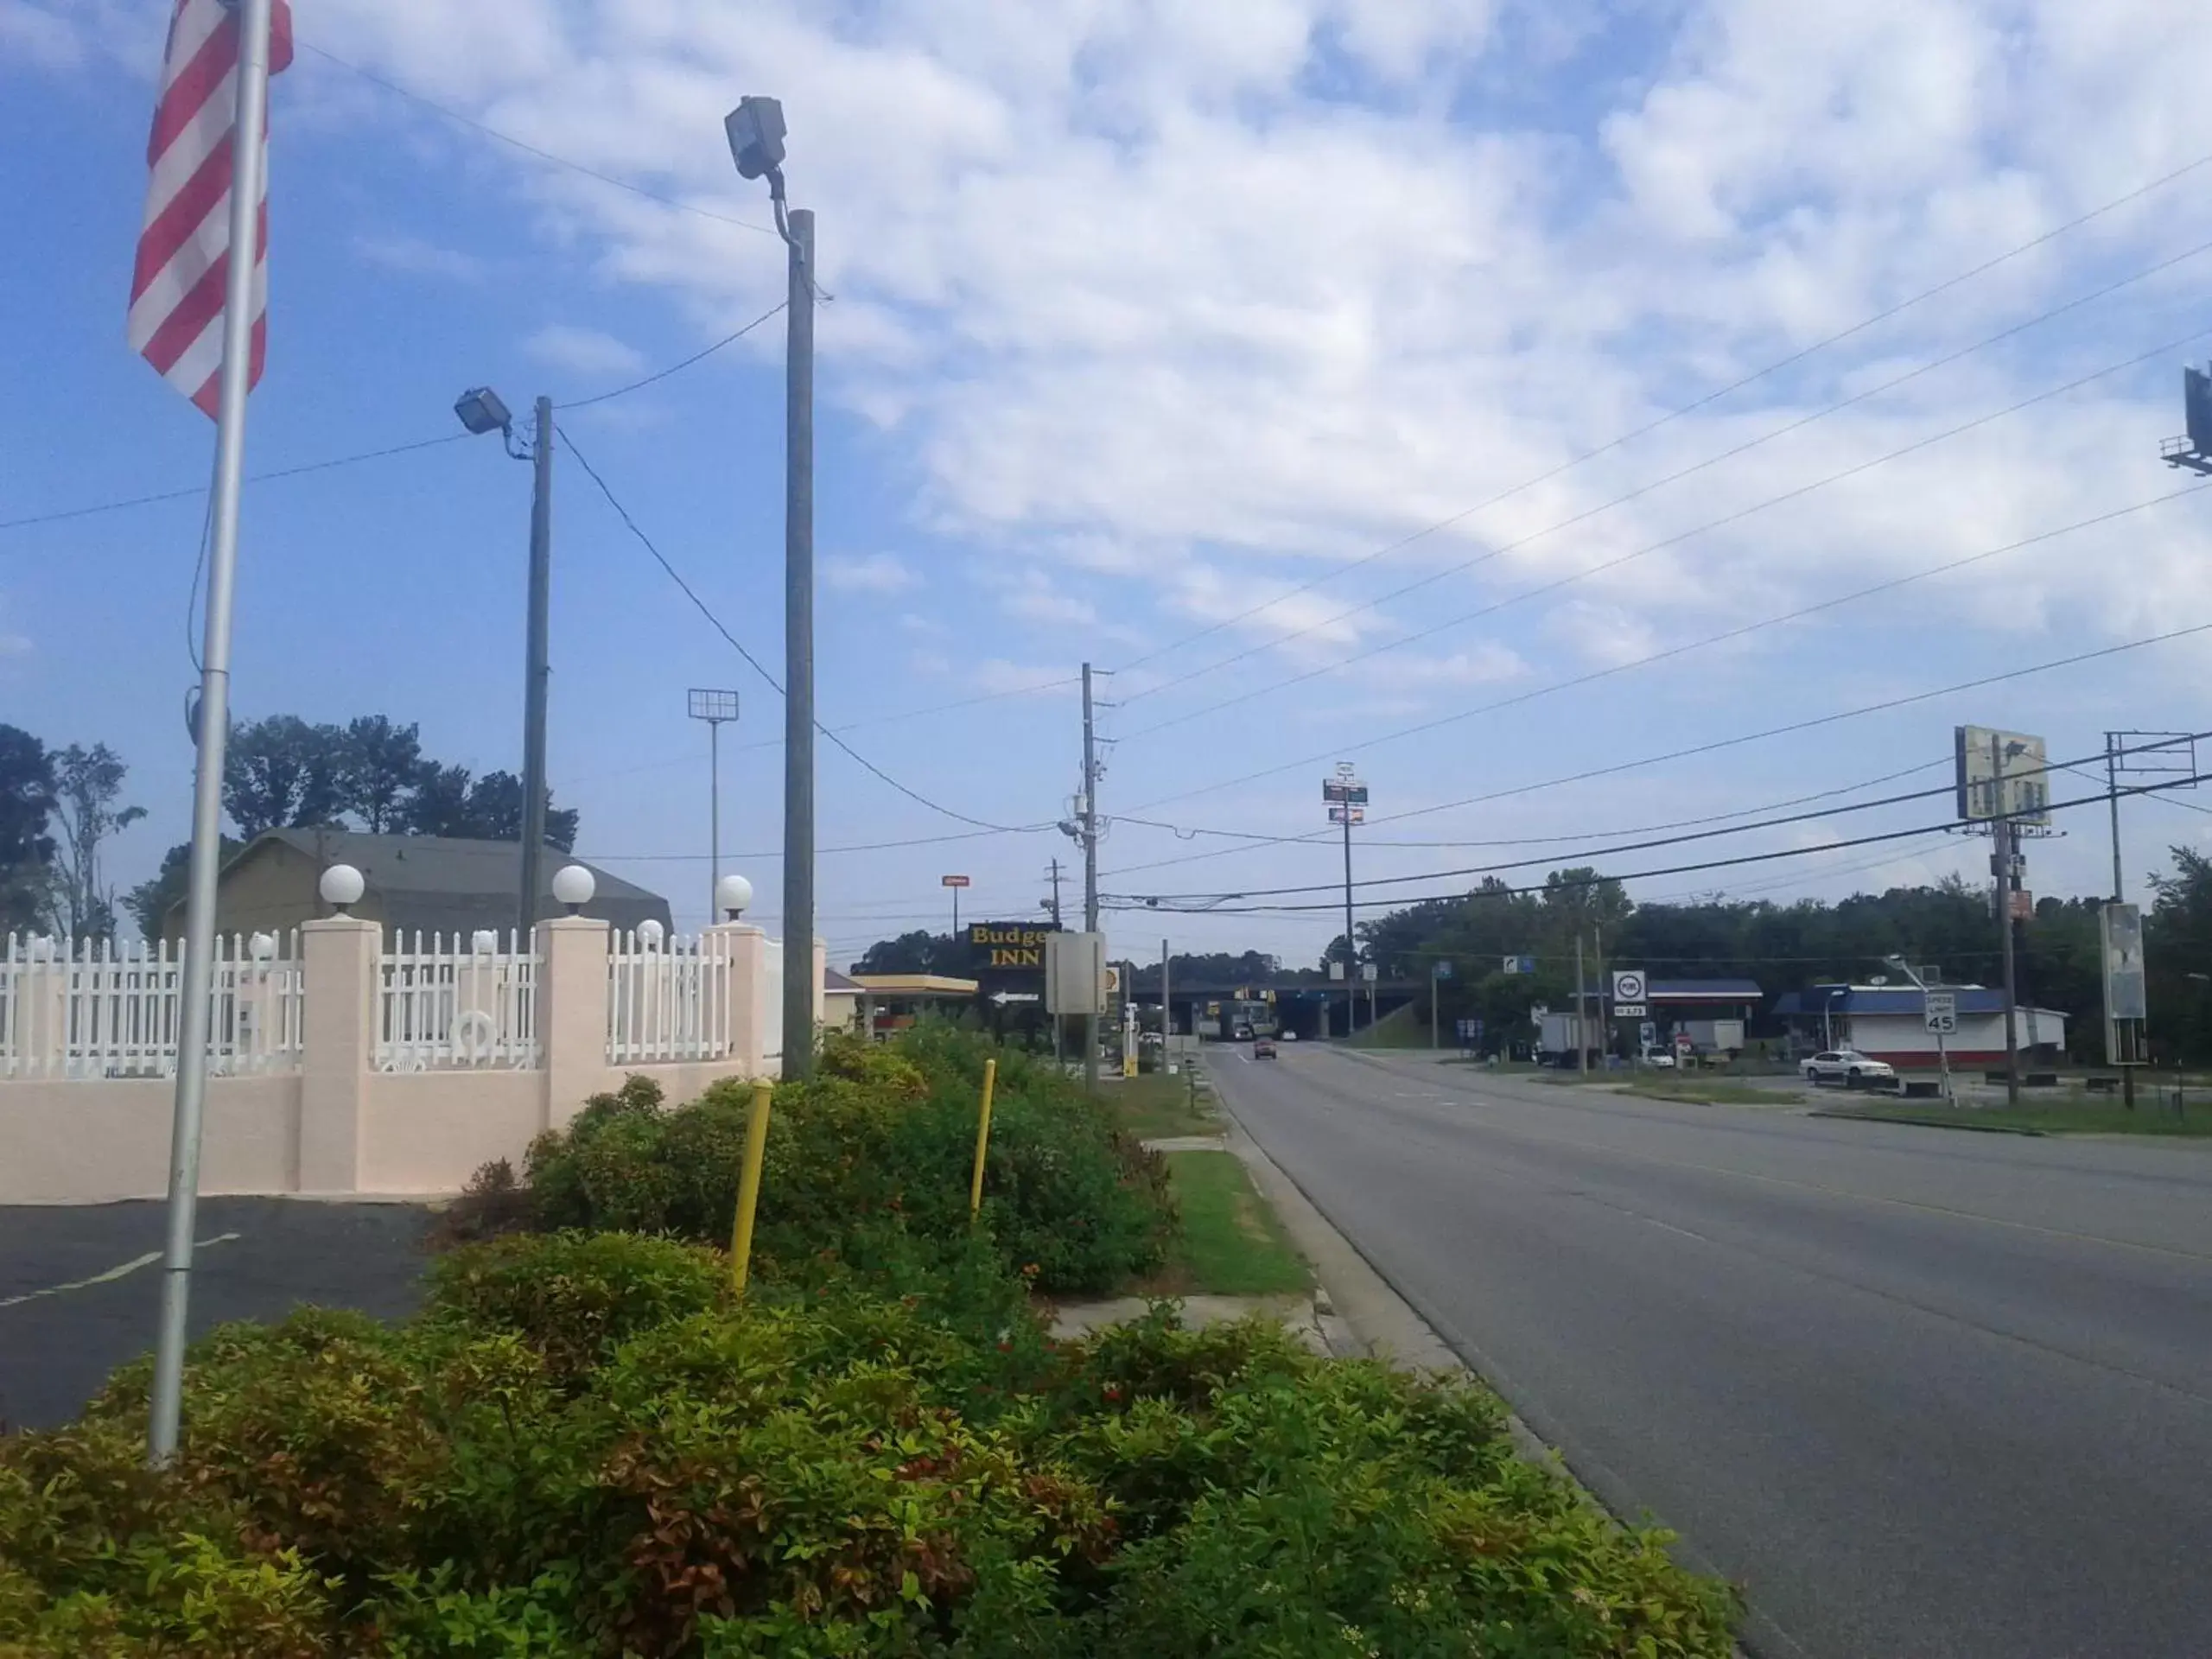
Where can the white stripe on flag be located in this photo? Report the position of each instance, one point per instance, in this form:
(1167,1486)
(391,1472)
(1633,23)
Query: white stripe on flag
(206,130)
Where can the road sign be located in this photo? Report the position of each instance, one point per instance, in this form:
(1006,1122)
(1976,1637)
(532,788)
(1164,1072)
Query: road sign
(953,881)
(1683,1041)
(1647,1032)
(1940,1011)
(1442,970)
(1336,970)
(1629,1010)
(1368,970)
(1519,965)
(1627,985)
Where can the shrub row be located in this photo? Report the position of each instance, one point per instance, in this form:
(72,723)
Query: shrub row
(584,1448)
(882,1135)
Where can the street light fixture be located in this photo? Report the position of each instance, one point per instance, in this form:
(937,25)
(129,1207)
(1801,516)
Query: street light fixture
(755,128)
(714,707)
(481,410)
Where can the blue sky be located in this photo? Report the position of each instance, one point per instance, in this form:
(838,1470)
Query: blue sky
(1150,326)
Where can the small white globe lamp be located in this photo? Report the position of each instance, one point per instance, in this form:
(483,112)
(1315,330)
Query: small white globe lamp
(732,893)
(341,887)
(650,933)
(485,941)
(261,946)
(573,884)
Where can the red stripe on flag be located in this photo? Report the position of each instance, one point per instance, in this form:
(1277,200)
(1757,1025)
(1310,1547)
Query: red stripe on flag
(201,304)
(196,83)
(174,226)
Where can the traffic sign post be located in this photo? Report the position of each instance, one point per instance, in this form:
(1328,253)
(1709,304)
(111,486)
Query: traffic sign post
(1939,1014)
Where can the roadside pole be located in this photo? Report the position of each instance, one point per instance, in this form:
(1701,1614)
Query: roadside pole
(538,672)
(1167,1012)
(1352,951)
(1435,1034)
(1581,1037)
(799,648)
(1089,872)
(2119,897)
(2001,828)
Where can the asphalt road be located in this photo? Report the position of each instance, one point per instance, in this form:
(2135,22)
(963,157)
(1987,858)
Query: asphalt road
(80,1288)
(1923,1393)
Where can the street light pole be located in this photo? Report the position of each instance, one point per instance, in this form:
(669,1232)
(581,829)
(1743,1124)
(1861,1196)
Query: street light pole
(713,708)
(756,133)
(538,672)
(2002,830)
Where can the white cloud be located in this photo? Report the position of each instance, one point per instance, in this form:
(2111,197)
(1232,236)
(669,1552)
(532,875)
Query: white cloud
(33,35)
(582,351)
(874,573)
(415,257)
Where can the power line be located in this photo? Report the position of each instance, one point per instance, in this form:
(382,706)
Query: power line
(1798,356)
(1310,837)
(699,356)
(1557,884)
(1738,633)
(1789,728)
(1630,847)
(737,644)
(258,477)
(509,139)
(1674,540)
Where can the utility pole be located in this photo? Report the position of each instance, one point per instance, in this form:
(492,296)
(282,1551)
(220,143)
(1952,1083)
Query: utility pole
(537,674)
(1166,1017)
(1581,1013)
(799,651)
(1090,819)
(2112,744)
(1056,890)
(1352,951)
(2001,861)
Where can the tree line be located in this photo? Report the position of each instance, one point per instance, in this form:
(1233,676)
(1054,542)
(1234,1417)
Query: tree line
(59,807)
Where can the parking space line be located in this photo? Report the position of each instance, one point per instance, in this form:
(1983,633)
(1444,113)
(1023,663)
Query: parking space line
(111,1275)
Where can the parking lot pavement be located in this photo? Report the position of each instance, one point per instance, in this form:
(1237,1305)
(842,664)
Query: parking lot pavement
(80,1288)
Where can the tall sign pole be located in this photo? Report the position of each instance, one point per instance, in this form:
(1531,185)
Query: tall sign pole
(1089,821)
(241,289)
(537,673)
(1346,797)
(2002,860)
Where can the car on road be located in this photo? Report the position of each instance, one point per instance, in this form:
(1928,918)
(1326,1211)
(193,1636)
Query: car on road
(1263,1049)
(1847,1066)
(1241,1034)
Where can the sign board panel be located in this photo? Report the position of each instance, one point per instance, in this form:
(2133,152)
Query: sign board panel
(1627,985)
(2022,904)
(953,881)
(1075,973)
(1347,814)
(1629,1010)
(1010,956)
(2120,929)
(1647,1032)
(2001,774)
(1368,970)
(1343,791)
(1518,965)
(1113,979)
(1682,1042)
(1442,970)
(1939,1013)
(1336,970)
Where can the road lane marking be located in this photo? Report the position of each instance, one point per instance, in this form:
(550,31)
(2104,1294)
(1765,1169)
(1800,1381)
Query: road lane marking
(111,1274)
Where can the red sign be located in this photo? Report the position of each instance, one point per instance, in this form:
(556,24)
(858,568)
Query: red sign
(953,881)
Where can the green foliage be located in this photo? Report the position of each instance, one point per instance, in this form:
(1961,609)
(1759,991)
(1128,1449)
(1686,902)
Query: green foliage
(880,1141)
(816,1470)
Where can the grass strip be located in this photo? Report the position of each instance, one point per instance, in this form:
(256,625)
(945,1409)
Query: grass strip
(1232,1244)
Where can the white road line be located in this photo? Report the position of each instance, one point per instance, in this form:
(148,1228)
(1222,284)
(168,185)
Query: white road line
(111,1274)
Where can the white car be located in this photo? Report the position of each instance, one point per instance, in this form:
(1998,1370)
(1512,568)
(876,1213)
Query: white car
(1662,1058)
(1847,1066)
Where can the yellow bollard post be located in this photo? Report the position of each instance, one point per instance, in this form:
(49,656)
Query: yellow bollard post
(748,1183)
(983,1139)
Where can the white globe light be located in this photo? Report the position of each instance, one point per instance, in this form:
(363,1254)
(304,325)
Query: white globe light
(732,895)
(261,946)
(341,885)
(484,941)
(650,933)
(42,947)
(572,886)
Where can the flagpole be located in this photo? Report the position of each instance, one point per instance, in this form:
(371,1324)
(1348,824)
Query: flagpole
(244,254)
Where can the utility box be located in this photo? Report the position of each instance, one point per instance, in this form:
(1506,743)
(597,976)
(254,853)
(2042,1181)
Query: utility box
(1075,973)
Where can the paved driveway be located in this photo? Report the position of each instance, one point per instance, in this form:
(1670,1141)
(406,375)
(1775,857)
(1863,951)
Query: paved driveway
(80,1288)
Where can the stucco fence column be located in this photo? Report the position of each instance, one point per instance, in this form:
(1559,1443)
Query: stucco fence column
(337,1032)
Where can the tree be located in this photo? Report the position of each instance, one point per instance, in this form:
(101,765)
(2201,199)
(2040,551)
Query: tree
(380,767)
(280,772)
(448,803)
(919,952)
(86,784)
(26,806)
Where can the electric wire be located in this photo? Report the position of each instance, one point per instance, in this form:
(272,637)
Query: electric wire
(1736,517)
(1557,882)
(738,645)
(1715,745)
(699,356)
(1740,632)
(509,139)
(1709,398)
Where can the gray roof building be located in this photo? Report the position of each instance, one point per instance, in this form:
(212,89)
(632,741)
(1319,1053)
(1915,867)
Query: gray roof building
(425,884)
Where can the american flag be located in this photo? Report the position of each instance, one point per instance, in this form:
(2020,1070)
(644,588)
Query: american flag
(176,293)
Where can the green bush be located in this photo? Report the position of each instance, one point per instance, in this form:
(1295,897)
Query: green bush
(882,1136)
(585,1449)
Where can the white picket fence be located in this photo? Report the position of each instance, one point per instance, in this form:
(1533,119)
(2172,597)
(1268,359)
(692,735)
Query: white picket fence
(456,1003)
(666,999)
(88,1008)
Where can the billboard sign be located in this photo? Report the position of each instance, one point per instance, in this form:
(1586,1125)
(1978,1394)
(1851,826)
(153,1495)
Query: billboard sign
(1347,814)
(2121,931)
(1075,971)
(1627,985)
(2001,775)
(1341,791)
(952,881)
